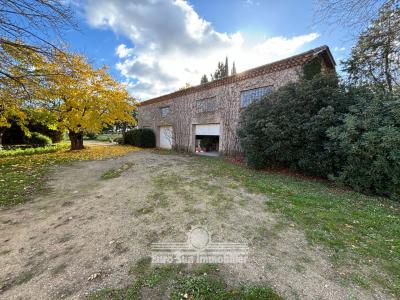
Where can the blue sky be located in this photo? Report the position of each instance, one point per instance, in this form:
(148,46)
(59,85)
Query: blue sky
(156,46)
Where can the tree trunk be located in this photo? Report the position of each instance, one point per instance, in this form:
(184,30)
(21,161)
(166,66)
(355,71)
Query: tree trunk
(387,70)
(1,138)
(387,53)
(76,139)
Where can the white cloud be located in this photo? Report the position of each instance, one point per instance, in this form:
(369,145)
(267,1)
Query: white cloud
(251,2)
(122,51)
(172,44)
(339,49)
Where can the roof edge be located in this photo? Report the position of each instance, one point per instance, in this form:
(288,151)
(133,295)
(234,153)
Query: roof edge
(278,65)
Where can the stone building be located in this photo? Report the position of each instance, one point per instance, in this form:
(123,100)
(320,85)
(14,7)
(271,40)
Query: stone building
(205,117)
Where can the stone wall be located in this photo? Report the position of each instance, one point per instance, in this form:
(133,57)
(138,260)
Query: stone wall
(183,114)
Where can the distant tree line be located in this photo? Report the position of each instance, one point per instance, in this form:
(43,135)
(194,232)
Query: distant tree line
(222,71)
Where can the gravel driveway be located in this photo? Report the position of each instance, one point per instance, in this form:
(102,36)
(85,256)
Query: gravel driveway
(87,232)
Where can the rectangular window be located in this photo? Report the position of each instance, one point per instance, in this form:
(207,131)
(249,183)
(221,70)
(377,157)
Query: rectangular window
(250,96)
(164,111)
(206,105)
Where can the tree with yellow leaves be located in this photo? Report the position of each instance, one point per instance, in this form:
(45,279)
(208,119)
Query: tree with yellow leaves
(19,71)
(62,91)
(9,110)
(81,98)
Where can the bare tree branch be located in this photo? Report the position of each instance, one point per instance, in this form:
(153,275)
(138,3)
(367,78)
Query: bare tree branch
(31,25)
(352,14)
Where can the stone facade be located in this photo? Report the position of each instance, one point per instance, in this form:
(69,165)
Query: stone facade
(219,102)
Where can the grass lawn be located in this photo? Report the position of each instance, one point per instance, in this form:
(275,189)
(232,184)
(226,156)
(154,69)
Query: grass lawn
(200,282)
(106,137)
(358,229)
(22,171)
(31,151)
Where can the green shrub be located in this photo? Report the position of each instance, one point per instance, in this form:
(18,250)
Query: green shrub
(369,139)
(288,127)
(39,140)
(142,137)
(55,135)
(91,136)
(15,136)
(312,68)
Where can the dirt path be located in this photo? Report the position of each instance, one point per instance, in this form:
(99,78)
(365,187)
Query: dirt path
(86,233)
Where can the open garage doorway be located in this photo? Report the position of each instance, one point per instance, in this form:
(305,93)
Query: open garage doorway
(207,139)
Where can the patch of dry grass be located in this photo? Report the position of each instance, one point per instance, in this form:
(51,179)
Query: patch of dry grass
(20,176)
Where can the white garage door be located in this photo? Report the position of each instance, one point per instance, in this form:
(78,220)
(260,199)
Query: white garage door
(207,129)
(166,137)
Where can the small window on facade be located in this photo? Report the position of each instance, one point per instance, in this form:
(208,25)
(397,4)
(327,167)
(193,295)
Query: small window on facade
(164,111)
(206,105)
(250,96)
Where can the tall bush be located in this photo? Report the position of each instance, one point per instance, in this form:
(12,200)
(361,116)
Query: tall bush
(141,137)
(39,140)
(288,127)
(15,135)
(369,140)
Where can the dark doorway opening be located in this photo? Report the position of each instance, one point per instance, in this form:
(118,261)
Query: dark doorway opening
(207,144)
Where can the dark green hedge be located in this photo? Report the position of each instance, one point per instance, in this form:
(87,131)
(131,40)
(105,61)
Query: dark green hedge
(142,137)
(14,135)
(39,140)
(369,140)
(288,127)
(312,68)
(327,129)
